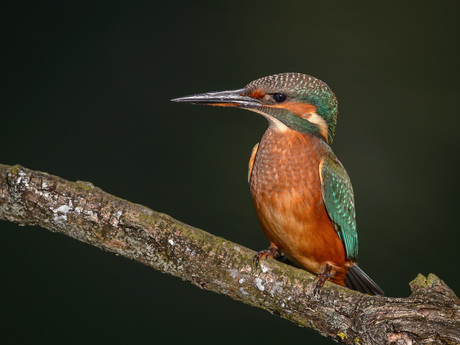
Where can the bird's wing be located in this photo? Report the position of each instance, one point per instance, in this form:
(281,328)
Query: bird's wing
(340,205)
(251,160)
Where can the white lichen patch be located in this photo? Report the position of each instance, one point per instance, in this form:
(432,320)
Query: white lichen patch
(60,213)
(60,218)
(115,220)
(264,268)
(63,209)
(259,284)
(171,242)
(21,178)
(241,281)
(243,291)
(233,273)
(91,214)
(277,287)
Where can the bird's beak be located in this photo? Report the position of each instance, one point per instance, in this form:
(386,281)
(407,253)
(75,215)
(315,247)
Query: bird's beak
(232,98)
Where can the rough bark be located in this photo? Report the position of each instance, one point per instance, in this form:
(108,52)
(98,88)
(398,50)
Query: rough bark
(430,315)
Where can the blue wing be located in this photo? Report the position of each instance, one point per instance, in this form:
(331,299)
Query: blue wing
(340,205)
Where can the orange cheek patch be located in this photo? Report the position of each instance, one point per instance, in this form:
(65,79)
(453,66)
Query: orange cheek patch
(257,94)
(308,112)
(302,110)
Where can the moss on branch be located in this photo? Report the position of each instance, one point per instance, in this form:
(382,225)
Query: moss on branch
(431,315)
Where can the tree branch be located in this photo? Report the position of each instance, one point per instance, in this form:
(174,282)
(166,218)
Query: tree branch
(430,315)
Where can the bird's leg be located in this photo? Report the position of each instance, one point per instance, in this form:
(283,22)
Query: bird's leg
(271,252)
(321,279)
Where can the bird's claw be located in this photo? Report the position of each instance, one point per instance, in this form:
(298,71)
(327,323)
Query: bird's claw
(265,254)
(321,279)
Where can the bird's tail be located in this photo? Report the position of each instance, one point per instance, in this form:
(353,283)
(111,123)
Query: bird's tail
(356,279)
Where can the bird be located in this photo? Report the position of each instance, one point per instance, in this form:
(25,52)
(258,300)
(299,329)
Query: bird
(301,192)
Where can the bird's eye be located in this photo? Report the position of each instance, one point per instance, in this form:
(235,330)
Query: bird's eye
(279,97)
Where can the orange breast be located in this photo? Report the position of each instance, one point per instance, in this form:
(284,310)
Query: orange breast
(286,189)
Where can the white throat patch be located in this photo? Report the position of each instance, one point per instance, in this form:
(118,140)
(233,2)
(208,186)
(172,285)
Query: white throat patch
(275,123)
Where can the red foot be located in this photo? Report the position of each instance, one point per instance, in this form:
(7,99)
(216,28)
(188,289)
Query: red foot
(321,279)
(265,254)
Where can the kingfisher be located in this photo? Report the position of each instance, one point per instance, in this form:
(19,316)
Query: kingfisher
(302,194)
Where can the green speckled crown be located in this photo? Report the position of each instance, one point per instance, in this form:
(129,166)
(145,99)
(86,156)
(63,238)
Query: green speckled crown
(304,88)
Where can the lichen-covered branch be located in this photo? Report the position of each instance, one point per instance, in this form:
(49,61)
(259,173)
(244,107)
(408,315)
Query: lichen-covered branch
(431,315)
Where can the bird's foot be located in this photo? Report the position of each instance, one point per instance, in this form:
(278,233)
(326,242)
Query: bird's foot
(271,252)
(321,279)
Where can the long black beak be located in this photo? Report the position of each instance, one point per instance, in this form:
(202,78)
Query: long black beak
(232,98)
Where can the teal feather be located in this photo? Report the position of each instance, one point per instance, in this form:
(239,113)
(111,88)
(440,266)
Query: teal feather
(340,205)
(303,88)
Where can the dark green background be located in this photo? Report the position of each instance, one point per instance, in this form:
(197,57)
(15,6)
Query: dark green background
(85,96)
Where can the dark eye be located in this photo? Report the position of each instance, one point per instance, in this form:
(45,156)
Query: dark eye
(279,97)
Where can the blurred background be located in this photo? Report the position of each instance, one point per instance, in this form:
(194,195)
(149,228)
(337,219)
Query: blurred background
(85,96)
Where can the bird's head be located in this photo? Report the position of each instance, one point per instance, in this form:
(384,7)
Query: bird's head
(288,100)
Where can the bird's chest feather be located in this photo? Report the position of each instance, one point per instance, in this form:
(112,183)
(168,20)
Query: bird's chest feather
(286,165)
(286,189)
